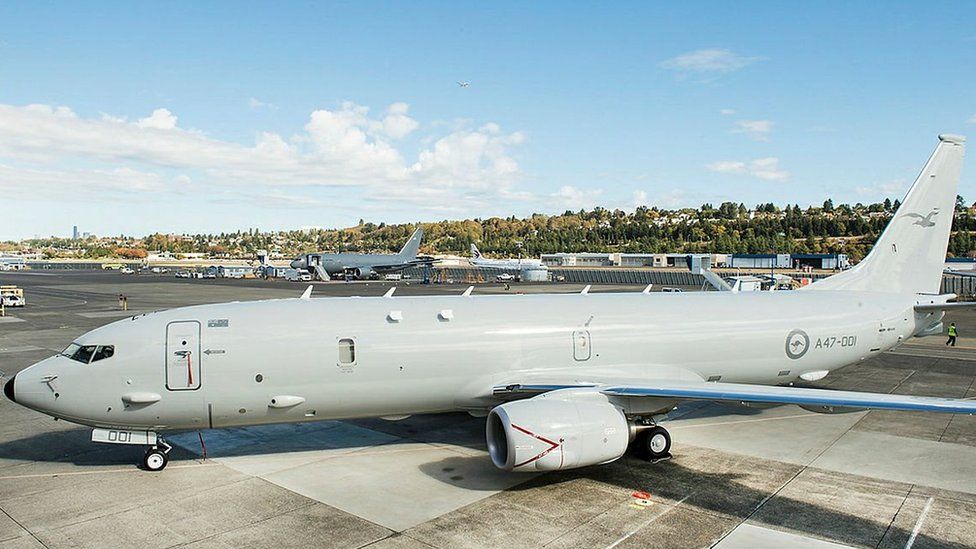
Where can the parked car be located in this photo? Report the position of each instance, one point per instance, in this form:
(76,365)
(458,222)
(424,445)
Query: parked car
(183,274)
(160,270)
(127,271)
(13,301)
(209,275)
(671,290)
(505,277)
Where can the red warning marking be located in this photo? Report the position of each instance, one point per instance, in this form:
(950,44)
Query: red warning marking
(641,495)
(544,453)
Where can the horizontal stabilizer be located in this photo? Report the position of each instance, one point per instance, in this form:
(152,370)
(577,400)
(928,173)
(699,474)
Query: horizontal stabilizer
(933,307)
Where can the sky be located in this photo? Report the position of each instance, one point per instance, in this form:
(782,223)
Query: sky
(187,117)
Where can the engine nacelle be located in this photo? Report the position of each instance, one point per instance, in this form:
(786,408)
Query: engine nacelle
(558,430)
(362,273)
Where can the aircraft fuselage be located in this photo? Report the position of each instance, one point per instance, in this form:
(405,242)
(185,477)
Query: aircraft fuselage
(224,365)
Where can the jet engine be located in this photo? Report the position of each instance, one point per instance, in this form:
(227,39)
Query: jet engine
(362,273)
(558,430)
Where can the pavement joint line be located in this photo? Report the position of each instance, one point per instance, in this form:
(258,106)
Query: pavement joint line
(21,526)
(396,534)
(946,430)
(82,473)
(374,450)
(310,503)
(140,505)
(891,391)
(930,354)
(802,469)
(918,523)
(627,536)
(895,516)
(736,422)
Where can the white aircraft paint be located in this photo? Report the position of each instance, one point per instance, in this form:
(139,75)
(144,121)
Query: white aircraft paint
(603,365)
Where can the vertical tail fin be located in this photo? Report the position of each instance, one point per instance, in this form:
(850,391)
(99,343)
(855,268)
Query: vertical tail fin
(475,253)
(910,254)
(410,249)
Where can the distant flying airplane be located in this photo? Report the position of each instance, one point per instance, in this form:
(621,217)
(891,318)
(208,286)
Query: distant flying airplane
(363,266)
(483,262)
(464,83)
(565,381)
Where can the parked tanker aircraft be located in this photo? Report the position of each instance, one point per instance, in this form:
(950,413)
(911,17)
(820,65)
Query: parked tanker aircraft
(362,266)
(564,380)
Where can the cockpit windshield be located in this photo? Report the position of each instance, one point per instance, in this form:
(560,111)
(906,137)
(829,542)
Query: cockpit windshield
(88,353)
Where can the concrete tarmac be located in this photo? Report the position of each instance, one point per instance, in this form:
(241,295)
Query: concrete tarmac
(740,477)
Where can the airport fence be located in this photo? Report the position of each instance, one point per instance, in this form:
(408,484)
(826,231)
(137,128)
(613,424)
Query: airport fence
(963,286)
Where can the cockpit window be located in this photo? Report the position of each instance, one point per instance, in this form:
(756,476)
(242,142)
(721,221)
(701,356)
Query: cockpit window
(81,353)
(103,352)
(88,353)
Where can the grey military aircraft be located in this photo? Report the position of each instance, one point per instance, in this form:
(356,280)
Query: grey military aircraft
(364,266)
(564,381)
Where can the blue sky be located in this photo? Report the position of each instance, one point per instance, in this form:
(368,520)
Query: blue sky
(187,117)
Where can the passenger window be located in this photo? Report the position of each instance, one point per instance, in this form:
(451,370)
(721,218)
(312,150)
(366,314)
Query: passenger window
(347,351)
(103,352)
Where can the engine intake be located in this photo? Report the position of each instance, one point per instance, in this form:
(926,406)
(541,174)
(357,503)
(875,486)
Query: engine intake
(558,430)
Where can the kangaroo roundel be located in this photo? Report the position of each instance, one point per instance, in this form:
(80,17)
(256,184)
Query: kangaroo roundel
(797,343)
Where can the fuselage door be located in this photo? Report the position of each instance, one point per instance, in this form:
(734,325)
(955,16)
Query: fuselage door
(581,345)
(183,357)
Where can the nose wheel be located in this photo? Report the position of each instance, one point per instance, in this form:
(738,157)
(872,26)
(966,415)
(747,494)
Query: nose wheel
(653,444)
(157,456)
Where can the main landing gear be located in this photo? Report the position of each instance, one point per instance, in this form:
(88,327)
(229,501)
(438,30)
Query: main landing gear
(652,444)
(157,456)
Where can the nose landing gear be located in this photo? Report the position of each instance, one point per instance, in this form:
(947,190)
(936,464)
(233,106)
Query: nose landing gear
(157,456)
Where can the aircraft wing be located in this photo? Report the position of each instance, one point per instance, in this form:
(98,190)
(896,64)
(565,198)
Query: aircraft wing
(825,399)
(401,266)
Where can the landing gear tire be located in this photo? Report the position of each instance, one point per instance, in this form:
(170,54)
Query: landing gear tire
(155,459)
(653,444)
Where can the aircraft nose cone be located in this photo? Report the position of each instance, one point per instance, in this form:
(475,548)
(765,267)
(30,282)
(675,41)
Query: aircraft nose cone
(8,389)
(298,264)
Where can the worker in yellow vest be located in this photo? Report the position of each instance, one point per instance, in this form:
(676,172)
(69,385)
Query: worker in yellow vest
(952,335)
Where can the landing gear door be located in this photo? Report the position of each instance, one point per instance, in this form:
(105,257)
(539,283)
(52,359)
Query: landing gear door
(183,357)
(581,345)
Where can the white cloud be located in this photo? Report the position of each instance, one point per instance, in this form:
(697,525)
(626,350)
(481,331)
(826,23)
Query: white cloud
(756,129)
(571,197)
(671,199)
(52,148)
(886,189)
(160,119)
(397,124)
(727,112)
(972,119)
(639,198)
(708,61)
(256,105)
(763,168)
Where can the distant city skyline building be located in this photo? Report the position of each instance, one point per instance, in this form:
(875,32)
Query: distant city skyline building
(74,232)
